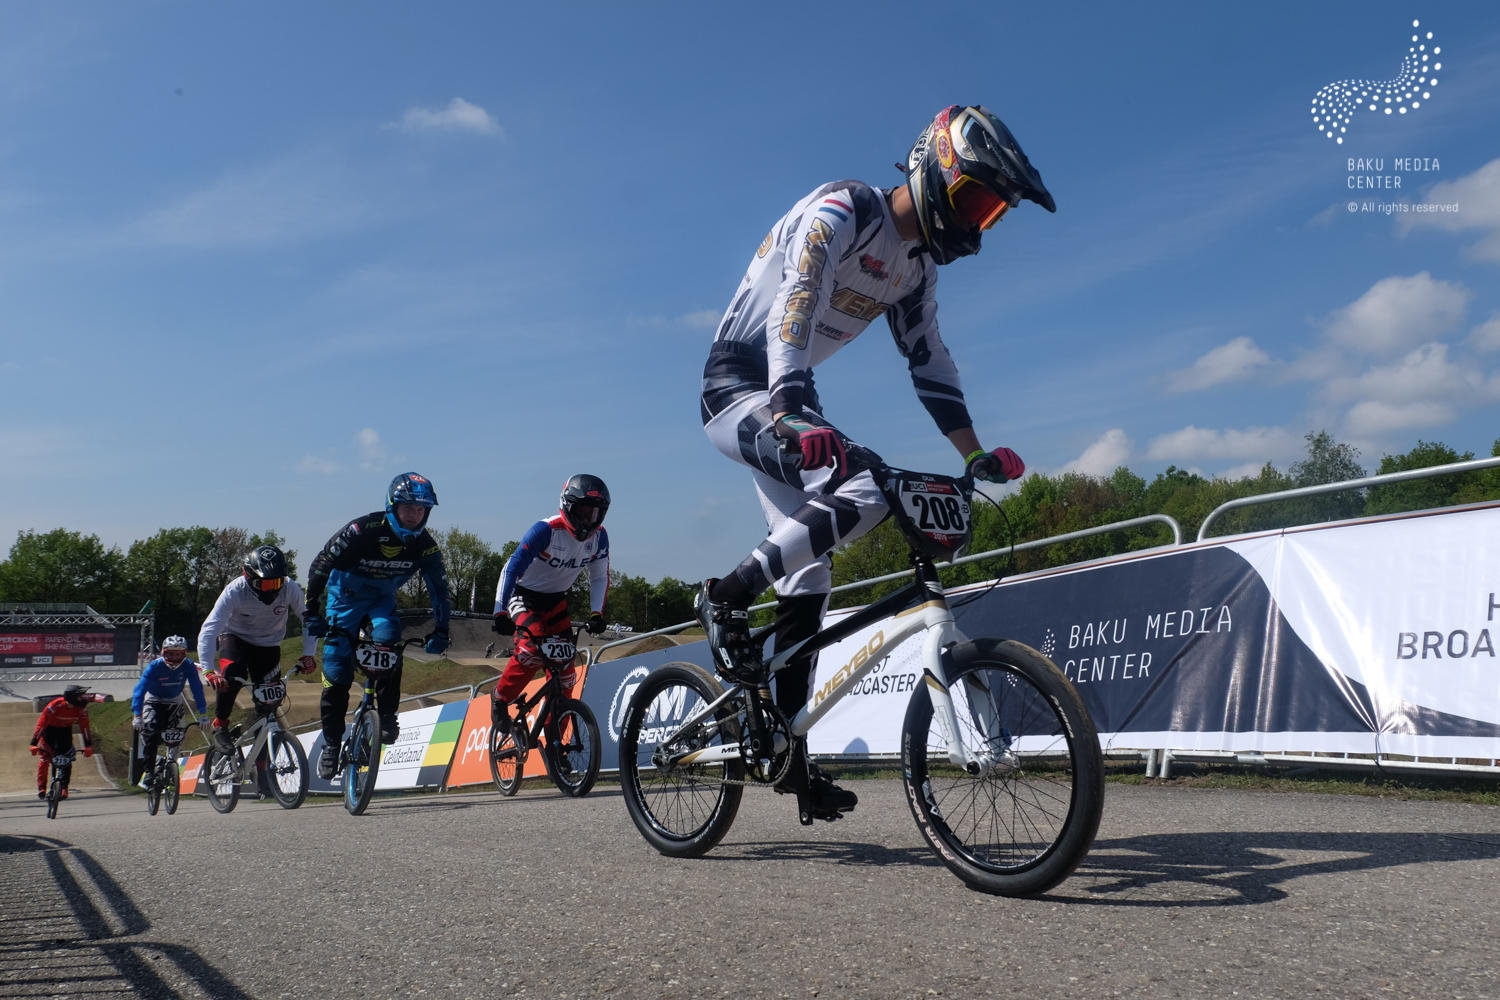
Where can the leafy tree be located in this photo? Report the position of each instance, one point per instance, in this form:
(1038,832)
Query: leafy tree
(175,568)
(1428,492)
(1327,461)
(61,566)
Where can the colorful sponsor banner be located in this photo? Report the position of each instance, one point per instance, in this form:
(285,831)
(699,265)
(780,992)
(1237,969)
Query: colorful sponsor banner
(1378,637)
(188,773)
(35,648)
(471,758)
(418,759)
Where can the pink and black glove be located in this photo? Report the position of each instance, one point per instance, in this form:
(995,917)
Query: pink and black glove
(215,680)
(998,466)
(821,447)
(306,664)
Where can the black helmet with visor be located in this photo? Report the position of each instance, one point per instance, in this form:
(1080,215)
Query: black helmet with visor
(265,571)
(964,173)
(583,504)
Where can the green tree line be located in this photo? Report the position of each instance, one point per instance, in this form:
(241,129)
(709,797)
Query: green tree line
(181,571)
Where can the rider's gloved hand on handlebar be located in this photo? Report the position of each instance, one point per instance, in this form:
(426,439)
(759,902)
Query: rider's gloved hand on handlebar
(88,750)
(998,466)
(35,750)
(315,625)
(436,642)
(821,446)
(503,624)
(135,723)
(215,680)
(595,623)
(306,664)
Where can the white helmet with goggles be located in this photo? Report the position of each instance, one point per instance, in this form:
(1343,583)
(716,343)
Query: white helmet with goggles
(964,173)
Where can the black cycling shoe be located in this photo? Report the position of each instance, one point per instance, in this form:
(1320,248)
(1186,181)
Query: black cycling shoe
(826,796)
(222,739)
(499,717)
(390,730)
(328,762)
(728,630)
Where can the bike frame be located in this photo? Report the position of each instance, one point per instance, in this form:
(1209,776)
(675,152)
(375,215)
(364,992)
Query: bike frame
(920,606)
(259,734)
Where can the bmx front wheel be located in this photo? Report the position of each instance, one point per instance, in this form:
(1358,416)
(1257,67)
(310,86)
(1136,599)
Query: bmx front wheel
(1019,819)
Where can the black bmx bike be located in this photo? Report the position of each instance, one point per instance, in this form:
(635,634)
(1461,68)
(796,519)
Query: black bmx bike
(61,765)
(999,757)
(359,752)
(163,777)
(561,727)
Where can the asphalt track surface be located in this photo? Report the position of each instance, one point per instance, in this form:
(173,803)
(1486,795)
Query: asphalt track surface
(1188,893)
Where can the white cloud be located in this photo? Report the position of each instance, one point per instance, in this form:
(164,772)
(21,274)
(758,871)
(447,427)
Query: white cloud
(1423,374)
(1248,470)
(1398,313)
(320,466)
(371,452)
(1477,197)
(1257,444)
(1235,361)
(1103,457)
(300,197)
(1374,418)
(1486,336)
(458,116)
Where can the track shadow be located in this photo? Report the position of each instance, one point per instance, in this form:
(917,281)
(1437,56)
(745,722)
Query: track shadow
(856,855)
(1239,869)
(65,920)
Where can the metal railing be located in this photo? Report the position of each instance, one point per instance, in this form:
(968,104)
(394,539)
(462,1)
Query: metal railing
(1430,472)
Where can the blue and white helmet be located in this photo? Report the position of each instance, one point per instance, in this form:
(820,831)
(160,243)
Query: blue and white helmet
(409,488)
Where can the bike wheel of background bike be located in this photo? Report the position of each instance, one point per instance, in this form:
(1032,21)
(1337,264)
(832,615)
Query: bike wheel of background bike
(54,795)
(1019,828)
(683,810)
(153,794)
(507,762)
(360,772)
(573,758)
(286,769)
(171,782)
(220,778)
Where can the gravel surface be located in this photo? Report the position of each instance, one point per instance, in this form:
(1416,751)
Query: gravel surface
(1188,893)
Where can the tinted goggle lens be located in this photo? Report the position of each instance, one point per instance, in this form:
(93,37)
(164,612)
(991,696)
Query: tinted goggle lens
(586,515)
(266,586)
(974,204)
(174,655)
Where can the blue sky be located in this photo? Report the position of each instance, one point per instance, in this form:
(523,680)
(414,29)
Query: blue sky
(259,258)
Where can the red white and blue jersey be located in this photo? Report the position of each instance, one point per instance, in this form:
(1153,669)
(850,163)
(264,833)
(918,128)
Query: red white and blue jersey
(826,270)
(549,559)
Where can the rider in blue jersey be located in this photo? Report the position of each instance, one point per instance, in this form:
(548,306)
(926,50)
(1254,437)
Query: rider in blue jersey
(355,578)
(156,702)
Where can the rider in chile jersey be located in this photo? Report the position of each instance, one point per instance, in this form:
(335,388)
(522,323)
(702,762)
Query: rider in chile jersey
(355,577)
(533,587)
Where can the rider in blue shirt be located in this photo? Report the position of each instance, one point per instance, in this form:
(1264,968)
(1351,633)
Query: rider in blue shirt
(156,702)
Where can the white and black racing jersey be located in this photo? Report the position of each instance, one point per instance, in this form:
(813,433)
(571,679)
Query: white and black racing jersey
(239,612)
(549,559)
(824,272)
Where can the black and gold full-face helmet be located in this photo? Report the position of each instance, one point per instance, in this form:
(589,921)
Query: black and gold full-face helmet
(965,172)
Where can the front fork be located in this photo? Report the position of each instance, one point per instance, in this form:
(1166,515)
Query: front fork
(993,752)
